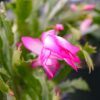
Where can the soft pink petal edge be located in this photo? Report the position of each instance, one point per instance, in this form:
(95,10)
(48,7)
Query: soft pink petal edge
(32,44)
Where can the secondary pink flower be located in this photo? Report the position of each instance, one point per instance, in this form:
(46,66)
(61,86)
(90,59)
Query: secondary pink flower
(73,7)
(88,7)
(51,48)
(59,27)
(85,25)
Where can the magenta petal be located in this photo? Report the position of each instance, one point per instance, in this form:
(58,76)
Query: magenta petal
(32,44)
(67,45)
(44,55)
(44,34)
(53,67)
(85,25)
(48,72)
(50,65)
(70,58)
(73,57)
(56,43)
(71,63)
(55,55)
(50,43)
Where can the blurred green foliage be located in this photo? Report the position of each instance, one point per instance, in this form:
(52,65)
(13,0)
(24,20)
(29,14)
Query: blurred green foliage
(17,79)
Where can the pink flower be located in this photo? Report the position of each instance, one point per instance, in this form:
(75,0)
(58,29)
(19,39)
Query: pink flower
(85,25)
(50,64)
(73,7)
(59,27)
(51,48)
(88,7)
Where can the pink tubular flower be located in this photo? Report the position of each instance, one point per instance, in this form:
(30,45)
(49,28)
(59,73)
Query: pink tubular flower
(59,27)
(88,7)
(85,25)
(51,48)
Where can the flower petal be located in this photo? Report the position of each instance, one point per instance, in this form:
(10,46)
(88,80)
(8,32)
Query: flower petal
(56,43)
(32,44)
(50,65)
(85,25)
(67,45)
(50,42)
(63,48)
(44,34)
(53,66)
(89,7)
(71,63)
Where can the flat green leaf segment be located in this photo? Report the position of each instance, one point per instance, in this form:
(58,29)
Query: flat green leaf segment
(71,85)
(6,36)
(3,86)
